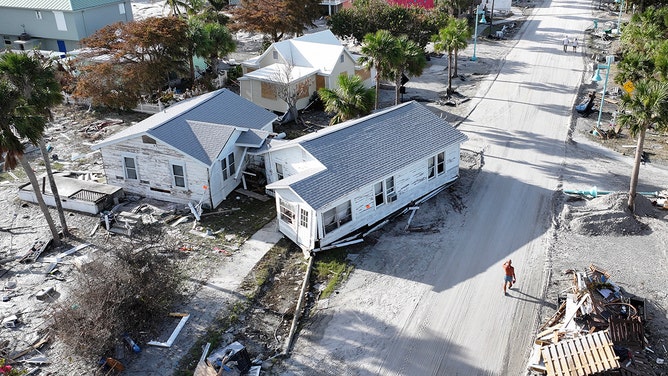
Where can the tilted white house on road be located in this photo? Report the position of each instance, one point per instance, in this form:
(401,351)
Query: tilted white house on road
(194,150)
(352,175)
(311,61)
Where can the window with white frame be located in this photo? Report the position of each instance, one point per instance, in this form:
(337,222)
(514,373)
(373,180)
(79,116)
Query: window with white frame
(178,175)
(287,211)
(38,14)
(431,168)
(274,54)
(279,171)
(440,163)
(130,167)
(303,218)
(223,166)
(378,193)
(337,217)
(390,193)
(228,167)
(121,8)
(230,164)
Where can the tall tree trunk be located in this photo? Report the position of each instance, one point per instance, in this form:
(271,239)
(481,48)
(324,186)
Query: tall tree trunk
(636,169)
(449,72)
(377,89)
(40,200)
(54,188)
(397,86)
(456,53)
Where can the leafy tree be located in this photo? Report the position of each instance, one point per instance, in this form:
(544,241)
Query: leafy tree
(410,59)
(644,45)
(28,89)
(463,34)
(447,40)
(646,106)
(276,17)
(350,100)
(209,40)
(127,60)
(381,51)
(370,16)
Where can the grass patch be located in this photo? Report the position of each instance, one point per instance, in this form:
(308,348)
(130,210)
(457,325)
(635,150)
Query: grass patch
(332,266)
(5,176)
(241,217)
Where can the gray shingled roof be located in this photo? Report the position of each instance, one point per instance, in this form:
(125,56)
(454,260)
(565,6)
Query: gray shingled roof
(200,126)
(62,5)
(360,152)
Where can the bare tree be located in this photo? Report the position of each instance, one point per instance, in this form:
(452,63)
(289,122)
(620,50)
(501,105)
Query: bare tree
(291,88)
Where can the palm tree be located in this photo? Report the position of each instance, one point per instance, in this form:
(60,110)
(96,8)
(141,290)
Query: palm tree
(381,52)
(410,59)
(29,90)
(646,106)
(446,40)
(463,33)
(177,7)
(350,100)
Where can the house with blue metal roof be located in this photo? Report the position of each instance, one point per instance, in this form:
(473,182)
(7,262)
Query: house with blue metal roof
(353,175)
(57,25)
(194,151)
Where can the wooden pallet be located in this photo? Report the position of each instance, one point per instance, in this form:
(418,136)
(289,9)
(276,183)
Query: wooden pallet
(581,356)
(627,332)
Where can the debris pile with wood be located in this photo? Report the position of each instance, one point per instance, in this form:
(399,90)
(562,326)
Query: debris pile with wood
(597,329)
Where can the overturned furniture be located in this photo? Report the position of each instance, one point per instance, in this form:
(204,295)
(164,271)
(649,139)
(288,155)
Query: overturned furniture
(75,193)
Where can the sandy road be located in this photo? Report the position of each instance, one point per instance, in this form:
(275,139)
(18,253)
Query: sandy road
(432,304)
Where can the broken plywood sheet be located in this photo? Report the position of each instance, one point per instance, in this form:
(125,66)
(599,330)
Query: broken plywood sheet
(581,356)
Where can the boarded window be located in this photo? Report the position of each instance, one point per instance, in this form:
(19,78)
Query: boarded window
(179,175)
(268,90)
(130,167)
(319,82)
(61,25)
(364,74)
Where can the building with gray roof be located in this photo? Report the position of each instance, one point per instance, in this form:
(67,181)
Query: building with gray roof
(353,175)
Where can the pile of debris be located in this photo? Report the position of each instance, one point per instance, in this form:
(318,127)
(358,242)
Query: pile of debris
(597,329)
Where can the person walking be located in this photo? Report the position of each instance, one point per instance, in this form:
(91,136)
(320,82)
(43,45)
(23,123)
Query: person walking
(509,277)
(575,44)
(566,43)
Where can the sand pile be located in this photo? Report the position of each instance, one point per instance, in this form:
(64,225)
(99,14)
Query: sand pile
(608,215)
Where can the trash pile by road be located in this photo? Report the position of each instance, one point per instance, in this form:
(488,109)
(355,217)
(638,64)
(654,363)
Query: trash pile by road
(597,329)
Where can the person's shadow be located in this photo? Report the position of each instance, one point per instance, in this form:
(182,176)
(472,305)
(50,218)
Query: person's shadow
(513,292)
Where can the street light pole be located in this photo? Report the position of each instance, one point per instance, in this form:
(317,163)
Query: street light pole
(619,18)
(475,32)
(597,78)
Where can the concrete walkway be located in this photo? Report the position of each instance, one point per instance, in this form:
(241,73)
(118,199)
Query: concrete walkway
(218,292)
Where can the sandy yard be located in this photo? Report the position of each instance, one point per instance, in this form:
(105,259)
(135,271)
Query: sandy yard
(389,282)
